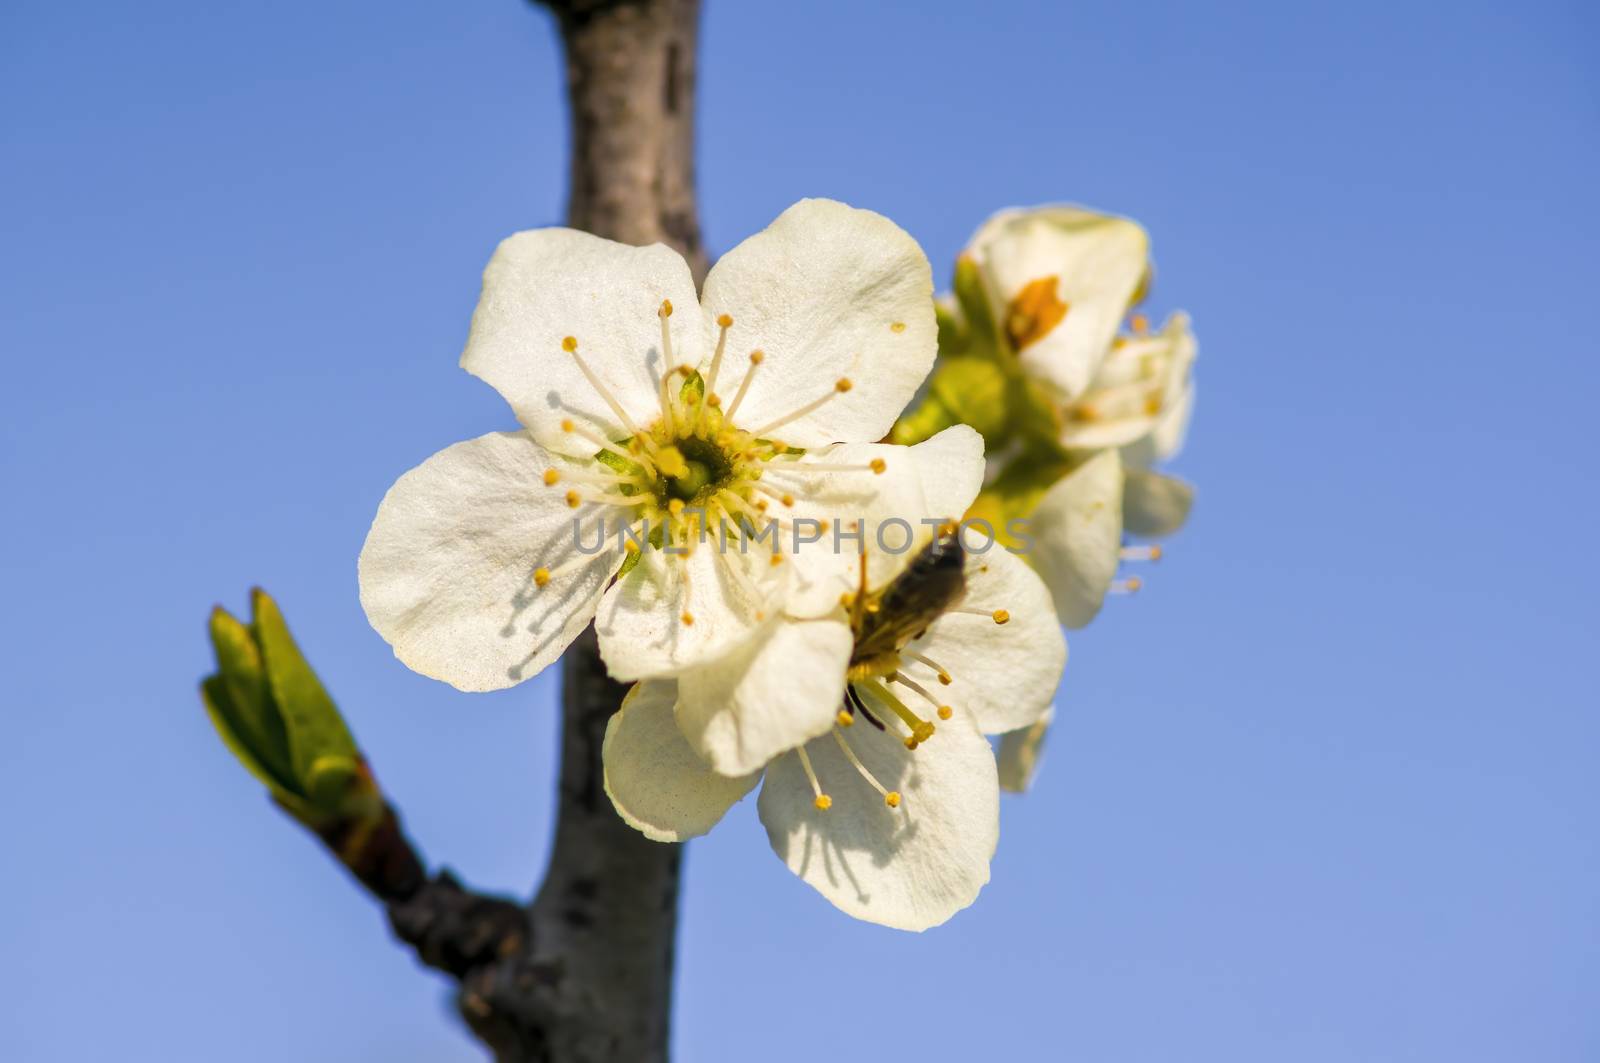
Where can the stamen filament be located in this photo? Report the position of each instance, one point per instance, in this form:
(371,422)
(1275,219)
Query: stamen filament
(944,676)
(890,797)
(570,345)
(756,358)
(823,802)
(921,730)
(840,386)
(1141,553)
(944,711)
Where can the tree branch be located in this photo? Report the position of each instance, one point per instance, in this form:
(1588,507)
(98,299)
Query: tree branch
(584,973)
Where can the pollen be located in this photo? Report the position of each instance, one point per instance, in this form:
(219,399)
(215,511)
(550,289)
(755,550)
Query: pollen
(573,499)
(898,326)
(842,385)
(1001,616)
(879,466)
(777,559)
(844,719)
(945,712)
(1140,323)
(567,425)
(666,308)
(787,499)
(911,742)
(823,802)
(687,618)
(570,344)
(724,321)
(550,477)
(892,798)
(541,576)
(945,680)
(757,357)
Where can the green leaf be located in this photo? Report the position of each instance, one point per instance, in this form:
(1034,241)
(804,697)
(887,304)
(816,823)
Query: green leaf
(230,724)
(246,700)
(313,723)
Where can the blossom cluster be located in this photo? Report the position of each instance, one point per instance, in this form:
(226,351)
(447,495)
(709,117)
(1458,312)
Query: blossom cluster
(746,445)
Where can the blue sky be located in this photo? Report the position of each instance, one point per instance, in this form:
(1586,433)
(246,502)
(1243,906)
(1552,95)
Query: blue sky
(1325,791)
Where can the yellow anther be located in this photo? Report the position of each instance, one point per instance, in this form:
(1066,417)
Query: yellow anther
(629,546)
(715,402)
(683,371)
(666,308)
(922,731)
(567,425)
(1134,583)
(847,599)
(670,461)
(1001,616)
(777,559)
(878,465)
(675,506)
(1085,414)
(911,741)
(570,344)
(823,802)
(945,712)
(1035,312)
(541,576)
(724,321)
(1155,553)
(844,719)
(1140,323)
(757,357)
(787,499)
(761,505)
(550,477)
(842,385)
(823,526)
(1152,405)
(945,680)
(687,618)
(573,499)
(892,798)
(898,326)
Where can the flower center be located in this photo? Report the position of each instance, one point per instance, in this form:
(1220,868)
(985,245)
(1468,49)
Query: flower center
(692,469)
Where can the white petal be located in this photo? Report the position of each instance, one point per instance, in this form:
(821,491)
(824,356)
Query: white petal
(1154,505)
(1141,369)
(826,292)
(1077,532)
(934,481)
(447,569)
(1099,262)
(1004,675)
(654,779)
(1020,753)
(951,467)
(547,284)
(910,867)
(768,697)
(641,625)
